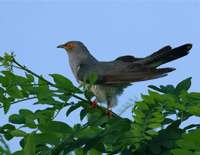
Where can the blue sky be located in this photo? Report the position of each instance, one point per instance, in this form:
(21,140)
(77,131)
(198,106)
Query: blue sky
(109,29)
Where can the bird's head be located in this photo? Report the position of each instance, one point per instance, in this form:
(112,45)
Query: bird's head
(73,46)
(77,52)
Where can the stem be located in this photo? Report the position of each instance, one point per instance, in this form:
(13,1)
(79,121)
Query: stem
(8,152)
(22,100)
(29,71)
(78,97)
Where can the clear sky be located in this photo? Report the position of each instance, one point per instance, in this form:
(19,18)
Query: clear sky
(109,29)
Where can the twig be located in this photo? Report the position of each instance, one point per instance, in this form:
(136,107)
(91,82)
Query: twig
(29,71)
(21,100)
(8,152)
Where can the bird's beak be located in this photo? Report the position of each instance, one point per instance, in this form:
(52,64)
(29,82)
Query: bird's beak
(62,46)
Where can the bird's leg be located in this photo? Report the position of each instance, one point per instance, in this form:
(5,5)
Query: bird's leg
(107,109)
(94,104)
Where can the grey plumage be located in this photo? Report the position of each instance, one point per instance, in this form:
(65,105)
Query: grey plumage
(114,76)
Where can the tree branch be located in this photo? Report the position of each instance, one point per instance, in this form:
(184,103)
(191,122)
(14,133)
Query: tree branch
(29,71)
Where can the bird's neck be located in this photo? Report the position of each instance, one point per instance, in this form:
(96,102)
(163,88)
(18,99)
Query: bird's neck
(78,60)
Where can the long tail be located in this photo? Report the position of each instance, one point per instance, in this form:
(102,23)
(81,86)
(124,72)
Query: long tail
(166,54)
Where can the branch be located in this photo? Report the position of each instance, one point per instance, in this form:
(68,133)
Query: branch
(21,100)
(29,71)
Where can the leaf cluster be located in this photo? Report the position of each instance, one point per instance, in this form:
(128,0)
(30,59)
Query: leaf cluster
(151,131)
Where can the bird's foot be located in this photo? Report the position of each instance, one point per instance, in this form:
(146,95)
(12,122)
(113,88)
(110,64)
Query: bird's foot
(108,111)
(94,104)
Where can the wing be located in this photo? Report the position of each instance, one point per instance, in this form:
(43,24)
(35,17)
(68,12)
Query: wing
(127,69)
(127,58)
(120,72)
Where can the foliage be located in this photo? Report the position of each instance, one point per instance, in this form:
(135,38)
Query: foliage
(152,131)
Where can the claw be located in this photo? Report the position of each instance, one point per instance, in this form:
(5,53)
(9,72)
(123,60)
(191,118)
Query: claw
(108,111)
(94,104)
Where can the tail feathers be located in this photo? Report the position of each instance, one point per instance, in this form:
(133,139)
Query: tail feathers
(166,54)
(162,50)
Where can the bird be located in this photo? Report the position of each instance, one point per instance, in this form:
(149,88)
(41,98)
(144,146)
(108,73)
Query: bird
(116,75)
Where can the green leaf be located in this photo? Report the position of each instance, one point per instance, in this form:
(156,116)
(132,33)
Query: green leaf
(18,153)
(177,106)
(170,99)
(111,138)
(42,84)
(136,133)
(29,77)
(6,127)
(100,121)
(21,81)
(156,96)
(193,136)
(9,75)
(30,148)
(195,95)
(154,147)
(25,112)
(14,92)
(188,144)
(16,119)
(93,78)
(120,124)
(154,125)
(63,82)
(18,133)
(180,151)
(55,127)
(79,151)
(97,150)
(157,114)
(76,144)
(30,123)
(88,94)
(142,105)
(152,132)
(167,89)
(195,110)
(157,120)
(156,88)
(138,113)
(77,128)
(4,81)
(118,147)
(6,104)
(136,127)
(8,135)
(192,126)
(72,108)
(91,143)
(148,99)
(138,119)
(184,85)
(173,126)
(43,138)
(84,112)
(2,94)
(61,146)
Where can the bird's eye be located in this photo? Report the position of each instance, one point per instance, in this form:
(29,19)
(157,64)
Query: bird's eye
(69,45)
